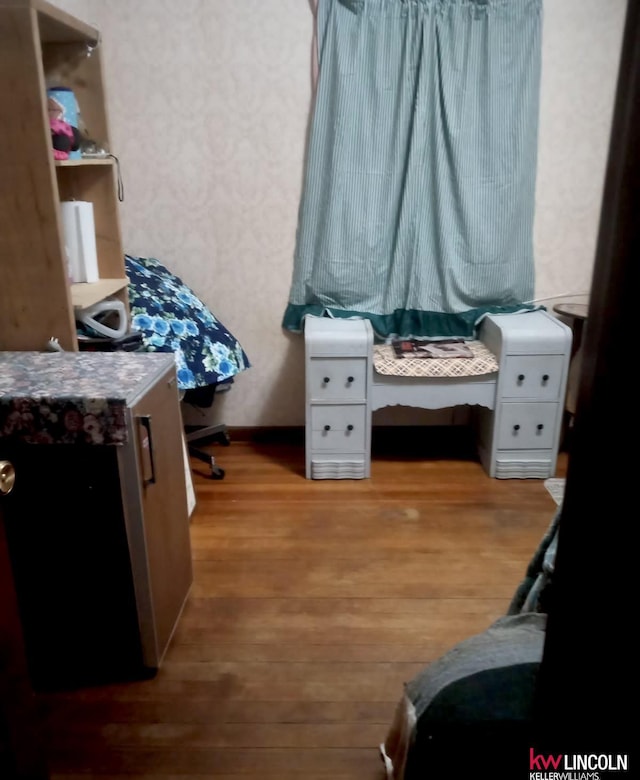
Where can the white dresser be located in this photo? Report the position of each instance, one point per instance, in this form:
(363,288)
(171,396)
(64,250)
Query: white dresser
(518,410)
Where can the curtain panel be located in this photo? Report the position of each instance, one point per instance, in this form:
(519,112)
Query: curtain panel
(417,204)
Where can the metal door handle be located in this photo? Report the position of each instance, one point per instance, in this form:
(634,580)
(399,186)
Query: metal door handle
(149,473)
(7,477)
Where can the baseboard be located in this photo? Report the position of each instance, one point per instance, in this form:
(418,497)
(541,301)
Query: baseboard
(268,434)
(400,438)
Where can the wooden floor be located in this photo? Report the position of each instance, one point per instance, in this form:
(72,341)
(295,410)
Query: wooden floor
(313,602)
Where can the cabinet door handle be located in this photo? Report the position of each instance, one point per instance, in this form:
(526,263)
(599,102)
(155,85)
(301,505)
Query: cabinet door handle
(349,379)
(520,377)
(327,427)
(539,426)
(349,427)
(545,377)
(146,445)
(326,380)
(516,427)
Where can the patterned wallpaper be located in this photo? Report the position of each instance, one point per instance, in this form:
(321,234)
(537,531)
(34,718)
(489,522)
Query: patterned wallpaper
(580,58)
(209,103)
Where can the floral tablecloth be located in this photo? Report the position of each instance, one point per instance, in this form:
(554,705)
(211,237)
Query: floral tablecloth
(72,397)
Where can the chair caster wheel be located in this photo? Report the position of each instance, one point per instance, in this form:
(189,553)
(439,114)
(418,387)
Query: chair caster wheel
(217,472)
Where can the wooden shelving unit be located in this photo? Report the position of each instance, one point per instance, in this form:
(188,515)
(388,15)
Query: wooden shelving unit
(42,46)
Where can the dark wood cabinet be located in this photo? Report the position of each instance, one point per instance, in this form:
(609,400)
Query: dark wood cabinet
(98,534)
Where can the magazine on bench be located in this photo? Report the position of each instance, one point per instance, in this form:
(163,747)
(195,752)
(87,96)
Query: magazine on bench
(415,348)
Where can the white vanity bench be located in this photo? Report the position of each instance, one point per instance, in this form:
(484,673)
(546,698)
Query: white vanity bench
(518,404)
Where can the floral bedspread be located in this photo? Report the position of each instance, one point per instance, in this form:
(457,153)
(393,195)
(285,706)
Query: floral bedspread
(171,318)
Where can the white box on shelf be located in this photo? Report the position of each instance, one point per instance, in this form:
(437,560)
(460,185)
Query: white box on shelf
(80,240)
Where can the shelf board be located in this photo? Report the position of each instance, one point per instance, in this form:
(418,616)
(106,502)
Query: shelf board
(86,294)
(84,161)
(57,26)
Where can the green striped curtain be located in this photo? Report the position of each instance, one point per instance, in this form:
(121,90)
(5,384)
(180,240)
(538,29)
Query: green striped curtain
(418,200)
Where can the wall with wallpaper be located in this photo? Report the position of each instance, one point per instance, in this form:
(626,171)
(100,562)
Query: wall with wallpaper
(209,103)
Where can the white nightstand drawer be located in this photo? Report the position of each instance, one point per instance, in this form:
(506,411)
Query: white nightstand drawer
(338,428)
(330,337)
(337,378)
(532,376)
(527,426)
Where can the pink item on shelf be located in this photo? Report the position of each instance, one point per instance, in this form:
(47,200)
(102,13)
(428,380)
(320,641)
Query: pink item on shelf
(65,138)
(61,128)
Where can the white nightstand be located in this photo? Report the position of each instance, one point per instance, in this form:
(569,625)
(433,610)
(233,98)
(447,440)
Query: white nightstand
(520,437)
(338,414)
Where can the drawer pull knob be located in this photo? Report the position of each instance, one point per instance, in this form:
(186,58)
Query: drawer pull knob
(539,426)
(349,427)
(327,427)
(326,380)
(545,377)
(349,379)
(520,377)
(516,427)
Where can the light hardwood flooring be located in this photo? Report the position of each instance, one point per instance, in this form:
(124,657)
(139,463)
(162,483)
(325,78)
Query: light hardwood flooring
(312,603)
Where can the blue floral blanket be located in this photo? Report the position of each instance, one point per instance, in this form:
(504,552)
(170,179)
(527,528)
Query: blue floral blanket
(171,318)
